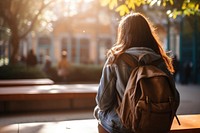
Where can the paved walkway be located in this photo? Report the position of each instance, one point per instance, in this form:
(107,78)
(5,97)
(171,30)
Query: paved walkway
(189,122)
(74,126)
(31,123)
(190,99)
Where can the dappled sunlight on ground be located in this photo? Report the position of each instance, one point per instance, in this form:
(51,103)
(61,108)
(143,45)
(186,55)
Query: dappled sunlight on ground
(74,126)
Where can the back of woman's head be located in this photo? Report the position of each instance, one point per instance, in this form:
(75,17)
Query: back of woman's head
(134,30)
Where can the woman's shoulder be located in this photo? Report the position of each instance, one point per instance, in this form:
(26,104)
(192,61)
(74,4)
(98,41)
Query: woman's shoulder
(121,60)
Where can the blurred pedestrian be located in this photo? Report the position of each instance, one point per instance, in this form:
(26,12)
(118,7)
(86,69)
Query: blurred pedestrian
(63,66)
(22,59)
(31,58)
(187,69)
(176,67)
(47,65)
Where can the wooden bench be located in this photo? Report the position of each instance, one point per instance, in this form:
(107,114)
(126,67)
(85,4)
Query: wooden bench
(71,96)
(25,82)
(46,92)
(190,124)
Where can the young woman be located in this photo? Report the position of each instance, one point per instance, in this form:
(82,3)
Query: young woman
(136,37)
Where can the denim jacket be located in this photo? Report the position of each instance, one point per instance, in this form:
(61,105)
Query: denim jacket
(113,82)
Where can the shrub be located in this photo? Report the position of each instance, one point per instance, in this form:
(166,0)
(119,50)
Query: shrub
(84,73)
(77,73)
(20,71)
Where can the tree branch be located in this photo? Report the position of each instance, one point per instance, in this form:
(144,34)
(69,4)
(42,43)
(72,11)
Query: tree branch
(43,6)
(20,6)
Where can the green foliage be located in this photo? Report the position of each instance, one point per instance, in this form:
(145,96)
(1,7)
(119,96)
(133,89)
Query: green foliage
(20,71)
(77,73)
(84,73)
(26,14)
(173,8)
(187,8)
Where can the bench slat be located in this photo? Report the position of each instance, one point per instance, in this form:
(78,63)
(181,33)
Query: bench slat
(42,92)
(45,96)
(25,82)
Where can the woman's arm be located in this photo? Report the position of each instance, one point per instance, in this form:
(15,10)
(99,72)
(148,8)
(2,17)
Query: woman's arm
(106,95)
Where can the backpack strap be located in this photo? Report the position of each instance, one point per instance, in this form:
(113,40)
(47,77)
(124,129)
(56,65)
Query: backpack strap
(156,62)
(130,60)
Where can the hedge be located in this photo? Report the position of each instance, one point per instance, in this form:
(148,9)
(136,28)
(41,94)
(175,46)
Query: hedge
(77,73)
(20,71)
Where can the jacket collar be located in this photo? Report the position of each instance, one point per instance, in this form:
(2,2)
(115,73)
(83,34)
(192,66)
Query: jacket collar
(143,54)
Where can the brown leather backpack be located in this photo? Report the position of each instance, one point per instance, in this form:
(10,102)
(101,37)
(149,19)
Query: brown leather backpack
(150,99)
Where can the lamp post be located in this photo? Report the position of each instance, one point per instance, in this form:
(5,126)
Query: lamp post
(181,73)
(168,33)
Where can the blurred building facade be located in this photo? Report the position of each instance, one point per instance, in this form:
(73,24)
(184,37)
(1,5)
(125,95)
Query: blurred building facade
(85,36)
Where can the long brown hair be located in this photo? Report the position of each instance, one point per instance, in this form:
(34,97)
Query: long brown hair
(135,30)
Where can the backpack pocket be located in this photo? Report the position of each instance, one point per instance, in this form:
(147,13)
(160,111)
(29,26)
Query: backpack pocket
(153,117)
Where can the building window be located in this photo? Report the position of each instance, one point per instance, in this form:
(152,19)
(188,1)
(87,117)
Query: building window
(78,49)
(73,49)
(44,48)
(84,50)
(44,41)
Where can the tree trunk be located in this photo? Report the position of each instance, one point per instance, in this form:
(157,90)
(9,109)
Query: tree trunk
(14,48)
(14,42)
